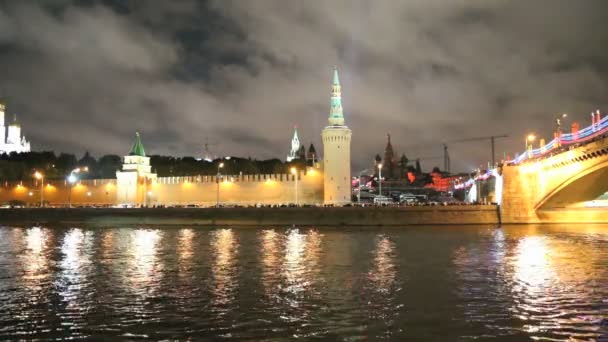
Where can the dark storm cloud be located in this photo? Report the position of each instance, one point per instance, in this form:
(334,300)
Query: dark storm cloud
(87,74)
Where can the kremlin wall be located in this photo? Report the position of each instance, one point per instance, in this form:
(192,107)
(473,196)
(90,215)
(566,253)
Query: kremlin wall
(194,190)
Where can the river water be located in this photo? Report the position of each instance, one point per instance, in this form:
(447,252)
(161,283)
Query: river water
(420,283)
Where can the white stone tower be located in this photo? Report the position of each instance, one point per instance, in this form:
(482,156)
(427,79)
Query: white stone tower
(336,151)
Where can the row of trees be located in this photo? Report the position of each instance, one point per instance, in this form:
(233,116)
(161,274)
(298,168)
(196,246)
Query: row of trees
(21,166)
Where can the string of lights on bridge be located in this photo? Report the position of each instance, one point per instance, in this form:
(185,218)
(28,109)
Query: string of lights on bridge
(588,133)
(597,128)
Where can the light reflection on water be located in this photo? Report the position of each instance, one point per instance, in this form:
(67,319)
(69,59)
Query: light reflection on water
(415,283)
(224,270)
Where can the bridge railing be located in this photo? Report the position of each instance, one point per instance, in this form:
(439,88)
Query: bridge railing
(580,136)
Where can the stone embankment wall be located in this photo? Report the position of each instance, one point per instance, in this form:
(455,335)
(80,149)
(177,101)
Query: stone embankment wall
(306,216)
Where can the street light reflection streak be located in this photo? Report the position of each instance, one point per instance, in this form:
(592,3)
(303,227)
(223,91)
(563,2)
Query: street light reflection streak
(73,281)
(145,273)
(185,252)
(383,273)
(223,288)
(35,259)
(270,261)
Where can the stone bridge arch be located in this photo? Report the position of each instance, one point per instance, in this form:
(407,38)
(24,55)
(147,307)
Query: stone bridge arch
(585,185)
(554,188)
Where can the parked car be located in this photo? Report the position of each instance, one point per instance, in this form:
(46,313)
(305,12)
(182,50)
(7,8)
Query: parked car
(408,198)
(383,200)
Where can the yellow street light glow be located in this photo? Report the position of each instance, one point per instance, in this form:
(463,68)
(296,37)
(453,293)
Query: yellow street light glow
(293,170)
(379,166)
(531,137)
(221,165)
(38,175)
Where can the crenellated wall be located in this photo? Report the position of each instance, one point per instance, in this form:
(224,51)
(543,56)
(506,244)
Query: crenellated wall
(558,183)
(240,189)
(199,190)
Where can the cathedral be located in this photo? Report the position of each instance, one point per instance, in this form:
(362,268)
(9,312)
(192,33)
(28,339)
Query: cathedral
(11,139)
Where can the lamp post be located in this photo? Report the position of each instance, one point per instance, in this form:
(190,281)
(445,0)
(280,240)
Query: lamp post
(529,140)
(380,179)
(39,176)
(71,179)
(294,172)
(217,180)
(558,122)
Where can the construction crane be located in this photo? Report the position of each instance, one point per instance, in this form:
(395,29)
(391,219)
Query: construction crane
(206,151)
(492,138)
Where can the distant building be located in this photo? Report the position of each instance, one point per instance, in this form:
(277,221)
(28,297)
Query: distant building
(311,156)
(11,139)
(389,166)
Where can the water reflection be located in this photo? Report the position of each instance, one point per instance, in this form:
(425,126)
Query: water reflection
(145,271)
(382,308)
(35,260)
(334,284)
(224,269)
(185,252)
(383,271)
(271,255)
(551,291)
(74,281)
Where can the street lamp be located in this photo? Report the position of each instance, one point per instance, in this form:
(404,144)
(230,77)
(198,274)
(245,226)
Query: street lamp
(380,179)
(39,176)
(558,122)
(217,180)
(294,172)
(71,179)
(529,139)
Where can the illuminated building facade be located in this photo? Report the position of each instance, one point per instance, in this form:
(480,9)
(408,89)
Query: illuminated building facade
(10,137)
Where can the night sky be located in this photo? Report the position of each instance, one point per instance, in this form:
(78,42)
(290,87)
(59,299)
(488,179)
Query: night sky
(85,75)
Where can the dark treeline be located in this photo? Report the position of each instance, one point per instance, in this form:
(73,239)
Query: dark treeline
(21,166)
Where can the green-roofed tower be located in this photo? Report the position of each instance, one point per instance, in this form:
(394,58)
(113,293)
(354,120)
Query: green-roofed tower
(138,147)
(134,181)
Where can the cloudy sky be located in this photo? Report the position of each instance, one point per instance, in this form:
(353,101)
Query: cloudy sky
(85,75)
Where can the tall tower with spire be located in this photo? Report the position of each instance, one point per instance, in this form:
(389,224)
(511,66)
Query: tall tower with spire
(295,146)
(336,150)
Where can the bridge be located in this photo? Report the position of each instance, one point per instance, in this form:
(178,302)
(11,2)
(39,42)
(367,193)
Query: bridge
(556,182)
